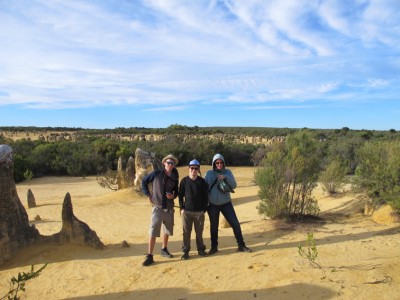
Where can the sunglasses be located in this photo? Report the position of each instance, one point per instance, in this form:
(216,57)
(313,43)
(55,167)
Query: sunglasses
(194,169)
(171,163)
(219,163)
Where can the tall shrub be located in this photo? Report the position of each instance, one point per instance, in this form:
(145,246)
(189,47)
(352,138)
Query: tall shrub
(332,178)
(287,177)
(378,172)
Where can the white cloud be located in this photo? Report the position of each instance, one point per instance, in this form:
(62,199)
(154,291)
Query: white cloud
(61,54)
(377,82)
(167,108)
(327,87)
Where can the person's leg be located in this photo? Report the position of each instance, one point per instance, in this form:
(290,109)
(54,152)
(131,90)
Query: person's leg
(168,226)
(152,242)
(155,228)
(213,213)
(155,223)
(198,228)
(187,224)
(154,232)
(165,238)
(228,212)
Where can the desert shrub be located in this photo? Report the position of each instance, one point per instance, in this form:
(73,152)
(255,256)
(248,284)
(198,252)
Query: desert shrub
(344,149)
(17,284)
(287,176)
(272,185)
(378,172)
(258,155)
(311,252)
(109,180)
(28,175)
(332,178)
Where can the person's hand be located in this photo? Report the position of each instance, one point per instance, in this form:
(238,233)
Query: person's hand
(221,177)
(150,199)
(170,196)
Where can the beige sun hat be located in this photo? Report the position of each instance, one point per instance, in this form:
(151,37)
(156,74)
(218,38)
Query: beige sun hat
(170,156)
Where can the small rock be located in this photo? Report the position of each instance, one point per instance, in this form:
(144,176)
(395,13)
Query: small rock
(31,199)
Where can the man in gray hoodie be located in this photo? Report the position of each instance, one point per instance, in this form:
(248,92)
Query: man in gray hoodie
(221,202)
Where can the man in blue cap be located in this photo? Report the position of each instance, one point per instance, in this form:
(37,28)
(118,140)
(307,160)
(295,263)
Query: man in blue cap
(193,203)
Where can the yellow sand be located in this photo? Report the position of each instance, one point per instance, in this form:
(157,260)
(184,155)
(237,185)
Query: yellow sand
(359,259)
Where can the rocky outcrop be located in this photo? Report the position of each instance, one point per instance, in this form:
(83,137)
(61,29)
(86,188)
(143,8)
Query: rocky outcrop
(145,163)
(75,231)
(130,171)
(119,167)
(30,199)
(51,136)
(120,175)
(15,231)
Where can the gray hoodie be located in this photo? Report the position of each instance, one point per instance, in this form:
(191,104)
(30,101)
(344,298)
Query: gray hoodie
(217,197)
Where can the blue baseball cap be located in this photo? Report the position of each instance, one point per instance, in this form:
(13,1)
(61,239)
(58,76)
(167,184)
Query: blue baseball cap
(194,162)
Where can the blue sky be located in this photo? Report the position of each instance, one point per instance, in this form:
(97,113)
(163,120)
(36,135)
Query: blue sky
(131,63)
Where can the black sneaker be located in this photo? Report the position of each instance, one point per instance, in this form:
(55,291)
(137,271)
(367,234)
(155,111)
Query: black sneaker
(185,256)
(165,253)
(148,261)
(202,253)
(212,251)
(244,249)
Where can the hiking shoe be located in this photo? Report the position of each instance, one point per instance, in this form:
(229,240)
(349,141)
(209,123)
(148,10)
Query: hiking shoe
(148,261)
(165,253)
(243,249)
(212,251)
(202,253)
(185,256)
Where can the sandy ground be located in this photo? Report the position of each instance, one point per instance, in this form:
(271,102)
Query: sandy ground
(359,259)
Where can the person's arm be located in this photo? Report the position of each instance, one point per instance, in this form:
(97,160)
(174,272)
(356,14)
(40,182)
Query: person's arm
(230,179)
(182,194)
(175,190)
(210,178)
(145,185)
(205,196)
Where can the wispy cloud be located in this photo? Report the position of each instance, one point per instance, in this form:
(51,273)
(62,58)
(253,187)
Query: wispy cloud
(72,54)
(166,108)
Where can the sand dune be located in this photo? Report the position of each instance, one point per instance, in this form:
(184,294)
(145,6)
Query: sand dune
(359,259)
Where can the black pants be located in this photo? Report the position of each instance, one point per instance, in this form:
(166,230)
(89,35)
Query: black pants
(228,212)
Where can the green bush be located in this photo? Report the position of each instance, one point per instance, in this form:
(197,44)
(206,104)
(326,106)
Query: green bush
(17,284)
(378,172)
(332,178)
(311,253)
(287,176)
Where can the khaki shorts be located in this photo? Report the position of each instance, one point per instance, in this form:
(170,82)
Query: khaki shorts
(164,217)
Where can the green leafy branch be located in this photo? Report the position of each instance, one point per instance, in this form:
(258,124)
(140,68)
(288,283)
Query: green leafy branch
(17,284)
(311,253)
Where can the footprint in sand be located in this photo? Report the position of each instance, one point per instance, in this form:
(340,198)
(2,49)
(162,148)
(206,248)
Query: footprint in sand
(257,267)
(169,271)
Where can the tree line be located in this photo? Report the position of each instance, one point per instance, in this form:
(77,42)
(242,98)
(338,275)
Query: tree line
(288,171)
(93,154)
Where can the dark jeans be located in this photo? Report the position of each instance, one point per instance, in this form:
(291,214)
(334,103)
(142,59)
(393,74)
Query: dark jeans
(228,212)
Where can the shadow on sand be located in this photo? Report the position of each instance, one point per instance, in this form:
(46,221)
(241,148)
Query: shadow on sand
(266,240)
(291,291)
